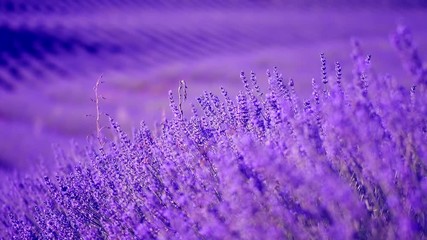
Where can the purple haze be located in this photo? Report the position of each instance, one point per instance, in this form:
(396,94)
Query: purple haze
(342,156)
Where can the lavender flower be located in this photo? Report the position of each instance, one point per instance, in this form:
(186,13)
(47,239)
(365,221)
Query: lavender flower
(350,162)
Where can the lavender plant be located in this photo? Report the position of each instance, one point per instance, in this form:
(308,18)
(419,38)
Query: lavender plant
(349,162)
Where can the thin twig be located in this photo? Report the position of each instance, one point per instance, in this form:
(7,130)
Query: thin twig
(182,95)
(98,112)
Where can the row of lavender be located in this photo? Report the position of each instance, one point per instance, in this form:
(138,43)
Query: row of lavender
(349,162)
(69,7)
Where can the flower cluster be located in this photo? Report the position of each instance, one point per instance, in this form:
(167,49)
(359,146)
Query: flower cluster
(349,162)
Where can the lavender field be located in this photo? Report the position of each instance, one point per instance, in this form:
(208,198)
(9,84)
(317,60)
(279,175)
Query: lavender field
(213,120)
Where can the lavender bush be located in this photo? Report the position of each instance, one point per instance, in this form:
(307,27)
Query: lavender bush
(347,163)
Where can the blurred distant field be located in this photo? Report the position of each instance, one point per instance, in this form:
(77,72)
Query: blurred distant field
(52,52)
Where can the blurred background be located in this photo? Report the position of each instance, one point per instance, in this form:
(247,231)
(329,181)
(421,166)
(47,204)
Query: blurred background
(52,52)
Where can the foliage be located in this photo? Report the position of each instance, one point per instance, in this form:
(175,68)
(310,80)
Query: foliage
(348,163)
